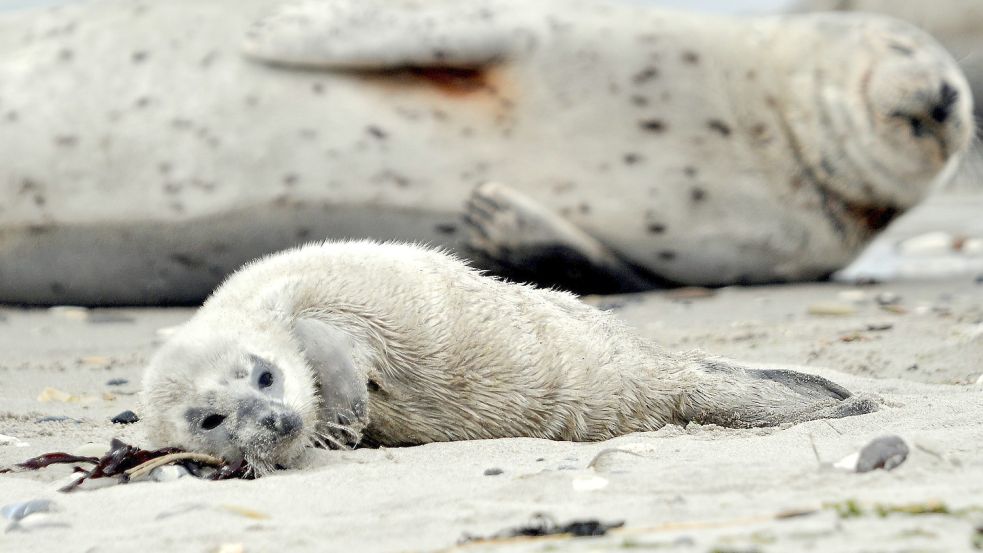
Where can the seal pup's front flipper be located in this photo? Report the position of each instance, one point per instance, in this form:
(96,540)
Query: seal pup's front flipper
(513,234)
(376,34)
(343,391)
(731,394)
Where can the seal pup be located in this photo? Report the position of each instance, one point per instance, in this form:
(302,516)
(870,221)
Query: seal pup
(629,145)
(392,344)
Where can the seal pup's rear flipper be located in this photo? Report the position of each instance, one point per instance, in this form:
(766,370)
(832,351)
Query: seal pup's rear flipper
(730,394)
(376,34)
(513,234)
(343,391)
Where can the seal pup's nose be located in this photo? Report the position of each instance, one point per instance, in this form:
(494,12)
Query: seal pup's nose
(948,96)
(282,424)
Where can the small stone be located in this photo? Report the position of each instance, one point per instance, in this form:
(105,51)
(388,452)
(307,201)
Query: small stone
(126,417)
(852,296)
(887,298)
(117,382)
(24,509)
(879,327)
(72,312)
(929,243)
(231,548)
(53,394)
(589,483)
(886,452)
(91,449)
(493,471)
(10,440)
(168,473)
(831,309)
(848,463)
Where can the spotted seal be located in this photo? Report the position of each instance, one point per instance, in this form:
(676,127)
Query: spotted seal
(391,344)
(597,145)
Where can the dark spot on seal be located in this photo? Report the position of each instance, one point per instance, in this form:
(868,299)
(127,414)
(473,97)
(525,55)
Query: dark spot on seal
(493,472)
(759,131)
(645,75)
(751,75)
(302,233)
(697,194)
(126,417)
(377,132)
(439,55)
(66,140)
(12,116)
(317,88)
(139,56)
(690,171)
(718,126)
(639,101)
(453,81)
(65,54)
(187,261)
(653,125)
(290,179)
(584,208)
(667,255)
(690,57)
(142,102)
(57,288)
(631,158)
(164,167)
(445,228)
(902,49)
(656,228)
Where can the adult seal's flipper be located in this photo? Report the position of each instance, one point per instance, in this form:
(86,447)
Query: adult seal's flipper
(379,34)
(517,237)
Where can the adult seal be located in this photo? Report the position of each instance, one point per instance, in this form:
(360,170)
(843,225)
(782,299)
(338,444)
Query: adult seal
(389,344)
(598,145)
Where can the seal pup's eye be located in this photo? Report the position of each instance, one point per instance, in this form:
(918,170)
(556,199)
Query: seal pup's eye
(266,379)
(212,421)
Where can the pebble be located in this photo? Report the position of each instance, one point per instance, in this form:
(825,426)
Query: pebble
(11,440)
(117,382)
(589,483)
(886,452)
(852,296)
(832,309)
(231,548)
(887,298)
(24,509)
(72,312)
(54,394)
(168,473)
(91,449)
(493,471)
(126,417)
(929,243)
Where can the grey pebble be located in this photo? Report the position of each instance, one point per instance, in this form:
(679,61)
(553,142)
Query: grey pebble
(117,382)
(886,452)
(493,471)
(126,417)
(887,298)
(18,511)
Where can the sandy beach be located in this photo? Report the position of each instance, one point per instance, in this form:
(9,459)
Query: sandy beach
(916,344)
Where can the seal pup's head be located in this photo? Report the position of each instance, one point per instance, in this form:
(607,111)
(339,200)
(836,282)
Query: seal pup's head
(236,395)
(882,112)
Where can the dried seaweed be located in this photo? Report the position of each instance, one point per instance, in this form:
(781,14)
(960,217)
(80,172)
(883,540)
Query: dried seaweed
(544,525)
(122,458)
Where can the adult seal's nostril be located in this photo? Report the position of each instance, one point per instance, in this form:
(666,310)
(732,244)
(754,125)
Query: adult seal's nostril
(948,96)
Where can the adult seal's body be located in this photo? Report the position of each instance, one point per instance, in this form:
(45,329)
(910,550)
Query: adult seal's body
(395,345)
(628,145)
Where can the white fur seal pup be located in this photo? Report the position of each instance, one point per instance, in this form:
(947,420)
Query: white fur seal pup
(395,345)
(632,145)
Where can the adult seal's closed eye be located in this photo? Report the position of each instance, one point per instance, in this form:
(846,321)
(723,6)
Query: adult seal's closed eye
(389,344)
(599,145)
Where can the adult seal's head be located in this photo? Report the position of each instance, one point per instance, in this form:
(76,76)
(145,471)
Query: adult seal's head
(206,391)
(876,111)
